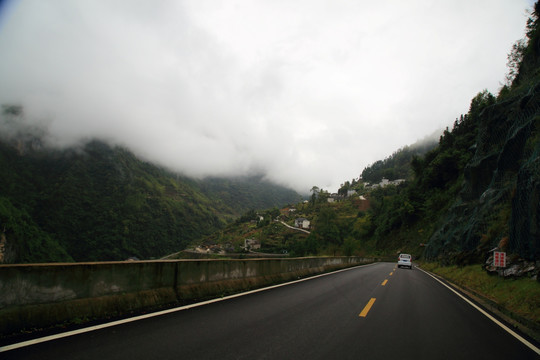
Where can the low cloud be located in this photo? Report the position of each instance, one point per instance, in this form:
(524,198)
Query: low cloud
(304,92)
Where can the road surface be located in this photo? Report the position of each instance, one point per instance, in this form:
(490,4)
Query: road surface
(369,312)
(295,228)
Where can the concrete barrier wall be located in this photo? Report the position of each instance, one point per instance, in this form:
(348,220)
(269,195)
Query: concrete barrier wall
(36,296)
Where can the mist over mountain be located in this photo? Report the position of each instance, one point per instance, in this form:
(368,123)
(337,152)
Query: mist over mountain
(300,92)
(96,202)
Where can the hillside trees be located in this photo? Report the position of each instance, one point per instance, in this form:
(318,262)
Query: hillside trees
(436,181)
(397,165)
(98,203)
(23,240)
(515,57)
(327,230)
(524,58)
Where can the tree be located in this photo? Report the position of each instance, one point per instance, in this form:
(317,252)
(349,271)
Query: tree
(315,192)
(273,213)
(515,57)
(349,246)
(344,188)
(326,228)
(12,110)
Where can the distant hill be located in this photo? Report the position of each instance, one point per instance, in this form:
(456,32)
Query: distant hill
(397,165)
(97,202)
(242,194)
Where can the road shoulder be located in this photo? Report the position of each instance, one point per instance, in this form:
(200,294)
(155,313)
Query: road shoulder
(521,326)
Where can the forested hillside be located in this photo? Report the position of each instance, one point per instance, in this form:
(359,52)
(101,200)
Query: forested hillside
(242,194)
(397,165)
(97,202)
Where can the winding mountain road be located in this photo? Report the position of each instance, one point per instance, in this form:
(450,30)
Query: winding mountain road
(295,228)
(370,312)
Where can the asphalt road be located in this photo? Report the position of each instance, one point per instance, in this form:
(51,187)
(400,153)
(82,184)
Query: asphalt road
(412,317)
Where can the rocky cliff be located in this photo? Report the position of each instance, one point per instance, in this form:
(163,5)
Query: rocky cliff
(501,186)
(499,201)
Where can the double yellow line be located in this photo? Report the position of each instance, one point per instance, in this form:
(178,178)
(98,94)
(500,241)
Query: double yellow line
(372,300)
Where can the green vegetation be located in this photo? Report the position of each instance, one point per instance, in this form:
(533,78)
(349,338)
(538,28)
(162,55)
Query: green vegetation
(403,217)
(98,203)
(400,217)
(338,227)
(246,193)
(274,237)
(38,247)
(397,166)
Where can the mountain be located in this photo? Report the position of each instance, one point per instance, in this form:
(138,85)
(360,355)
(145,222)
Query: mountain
(246,193)
(397,165)
(98,202)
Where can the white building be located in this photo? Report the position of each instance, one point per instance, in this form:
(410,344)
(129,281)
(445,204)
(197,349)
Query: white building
(302,223)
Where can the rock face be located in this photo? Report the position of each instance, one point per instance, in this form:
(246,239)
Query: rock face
(524,227)
(500,195)
(518,268)
(499,202)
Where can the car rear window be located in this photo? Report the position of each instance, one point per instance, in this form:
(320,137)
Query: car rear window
(405,256)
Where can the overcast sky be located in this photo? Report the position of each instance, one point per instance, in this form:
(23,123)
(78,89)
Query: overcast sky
(306,92)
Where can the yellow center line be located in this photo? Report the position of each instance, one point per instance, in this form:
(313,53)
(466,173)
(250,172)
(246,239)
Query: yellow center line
(384,282)
(367,307)
(392,273)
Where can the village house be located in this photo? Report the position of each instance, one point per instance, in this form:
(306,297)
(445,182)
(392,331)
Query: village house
(397,181)
(302,223)
(334,197)
(385,182)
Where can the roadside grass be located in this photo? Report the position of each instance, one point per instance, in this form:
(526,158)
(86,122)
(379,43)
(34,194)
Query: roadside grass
(517,296)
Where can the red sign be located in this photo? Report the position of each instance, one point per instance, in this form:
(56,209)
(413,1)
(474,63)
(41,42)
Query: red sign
(499,259)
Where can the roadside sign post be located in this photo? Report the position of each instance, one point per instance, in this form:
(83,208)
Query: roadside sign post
(499,260)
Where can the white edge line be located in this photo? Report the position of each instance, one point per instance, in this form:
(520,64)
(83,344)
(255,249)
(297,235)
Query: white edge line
(506,328)
(163,312)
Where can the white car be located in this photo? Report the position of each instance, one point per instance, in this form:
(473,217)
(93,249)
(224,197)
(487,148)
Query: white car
(404,260)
